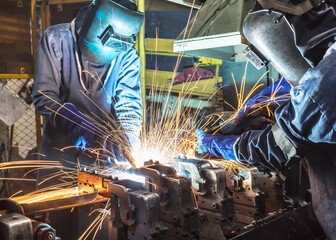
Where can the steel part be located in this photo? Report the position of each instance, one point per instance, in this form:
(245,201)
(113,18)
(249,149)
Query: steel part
(300,223)
(272,185)
(9,206)
(57,200)
(15,226)
(190,168)
(126,208)
(249,201)
(177,201)
(43,231)
(90,181)
(274,38)
(215,204)
(135,212)
(117,229)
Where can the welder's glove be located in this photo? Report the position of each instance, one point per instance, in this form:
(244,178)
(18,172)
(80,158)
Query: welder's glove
(256,112)
(122,150)
(220,146)
(80,129)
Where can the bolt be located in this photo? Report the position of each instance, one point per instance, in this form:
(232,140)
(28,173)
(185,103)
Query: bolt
(49,236)
(127,214)
(166,190)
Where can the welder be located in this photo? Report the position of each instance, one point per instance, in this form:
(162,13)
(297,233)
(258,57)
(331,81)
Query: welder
(88,76)
(305,124)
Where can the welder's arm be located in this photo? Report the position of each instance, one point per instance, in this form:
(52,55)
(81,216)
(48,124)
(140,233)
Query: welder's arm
(303,124)
(48,99)
(127,102)
(220,146)
(47,82)
(79,128)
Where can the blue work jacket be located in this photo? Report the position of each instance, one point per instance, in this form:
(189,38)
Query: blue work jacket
(61,78)
(307,128)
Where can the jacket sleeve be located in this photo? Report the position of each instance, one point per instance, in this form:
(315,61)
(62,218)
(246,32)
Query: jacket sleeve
(127,102)
(305,123)
(47,81)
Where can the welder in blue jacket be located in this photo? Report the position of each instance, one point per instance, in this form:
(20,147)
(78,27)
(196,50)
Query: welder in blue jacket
(87,83)
(305,125)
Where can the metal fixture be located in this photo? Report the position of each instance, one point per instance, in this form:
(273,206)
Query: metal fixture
(215,31)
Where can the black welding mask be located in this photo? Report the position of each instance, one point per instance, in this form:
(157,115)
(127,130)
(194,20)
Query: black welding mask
(109,28)
(293,37)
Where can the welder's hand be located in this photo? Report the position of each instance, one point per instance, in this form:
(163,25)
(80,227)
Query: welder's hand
(80,129)
(219,146)
(257,113)
(119,154)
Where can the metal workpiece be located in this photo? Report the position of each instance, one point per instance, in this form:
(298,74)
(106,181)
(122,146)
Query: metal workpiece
(177,200)
(215,204)
(273,186)
(296,223)
(43,231)
(90,181)
(191,168)
(249,201)
(15,226)
(271,34)
(135,213)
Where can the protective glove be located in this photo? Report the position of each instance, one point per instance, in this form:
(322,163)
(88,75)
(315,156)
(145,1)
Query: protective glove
(123,150)
(219,146)
(254,114)
(80,129)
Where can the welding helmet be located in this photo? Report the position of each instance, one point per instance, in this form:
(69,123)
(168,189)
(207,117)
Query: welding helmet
(109,28)
(292,43)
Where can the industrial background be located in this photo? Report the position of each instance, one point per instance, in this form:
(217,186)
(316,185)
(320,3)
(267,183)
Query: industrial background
(259,199)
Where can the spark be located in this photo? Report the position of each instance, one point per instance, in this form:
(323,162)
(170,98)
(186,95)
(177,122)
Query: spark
(46,196)
(18,179)
(96,223)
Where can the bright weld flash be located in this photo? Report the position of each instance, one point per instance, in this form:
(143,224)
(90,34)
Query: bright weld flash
(146,154)
(127,175)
